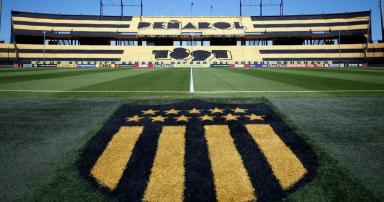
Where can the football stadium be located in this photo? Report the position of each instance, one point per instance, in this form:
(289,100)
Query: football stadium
(220,100)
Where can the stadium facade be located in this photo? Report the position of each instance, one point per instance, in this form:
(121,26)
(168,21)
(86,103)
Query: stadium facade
(341,39)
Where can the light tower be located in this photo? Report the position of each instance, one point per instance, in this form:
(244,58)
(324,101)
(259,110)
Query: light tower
(381,20)
(1,13)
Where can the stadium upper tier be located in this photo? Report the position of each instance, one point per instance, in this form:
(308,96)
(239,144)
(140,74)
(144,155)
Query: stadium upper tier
(48,39)
(30,28)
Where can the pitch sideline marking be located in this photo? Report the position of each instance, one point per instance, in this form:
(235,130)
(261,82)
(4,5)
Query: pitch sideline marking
(182,92)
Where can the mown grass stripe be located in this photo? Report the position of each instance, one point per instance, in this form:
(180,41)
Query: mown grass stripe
(32,72)
(166,182)
(49,75)
(360,76)
(152,80)
(110,166)
(285,165)
(311,82)
(232,182)
(357,71)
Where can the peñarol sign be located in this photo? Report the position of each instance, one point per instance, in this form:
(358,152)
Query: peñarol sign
(197,151)
(174,24)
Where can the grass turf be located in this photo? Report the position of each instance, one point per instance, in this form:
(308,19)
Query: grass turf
(332,182)
(350,129)
(36,135)
(207,82)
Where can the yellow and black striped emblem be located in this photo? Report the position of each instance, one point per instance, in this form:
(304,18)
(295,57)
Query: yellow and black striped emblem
(197,151)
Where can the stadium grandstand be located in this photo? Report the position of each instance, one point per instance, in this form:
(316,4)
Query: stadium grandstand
(320,40)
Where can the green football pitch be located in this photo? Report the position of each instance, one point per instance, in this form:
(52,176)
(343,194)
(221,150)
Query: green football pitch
(195,83)
(48,115)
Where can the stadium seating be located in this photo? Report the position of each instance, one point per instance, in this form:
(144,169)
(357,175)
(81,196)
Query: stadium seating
(297,39)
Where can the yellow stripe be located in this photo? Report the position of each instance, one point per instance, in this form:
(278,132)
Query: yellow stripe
(166,182)
(314,55)
(231,180)
(78,21)
(285,165)
(325,28)
(246,21)
(68,55)
(86,29)
(311,21)
(110,166)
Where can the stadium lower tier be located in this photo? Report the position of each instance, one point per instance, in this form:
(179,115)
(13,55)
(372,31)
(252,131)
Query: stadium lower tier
(298,55)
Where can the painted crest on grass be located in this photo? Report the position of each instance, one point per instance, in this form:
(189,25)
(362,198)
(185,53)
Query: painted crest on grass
(197,151)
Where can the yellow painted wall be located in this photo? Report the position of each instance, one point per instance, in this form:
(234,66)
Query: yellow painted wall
(145,53)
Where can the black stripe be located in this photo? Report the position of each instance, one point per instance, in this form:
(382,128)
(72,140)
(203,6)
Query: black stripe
(312,17)
(365,22)
(375,50)
(71,17)
(71,51)
(199,185)
(136,176)
(7,50)
(24,32)
(261,34)
(266,185)
(70,24)
(308,33)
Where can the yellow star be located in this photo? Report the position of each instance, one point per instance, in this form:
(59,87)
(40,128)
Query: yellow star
(239,110)
(150,112)
(158,118)
(206,118)
(172,111)
(194,111)
(216,110)
(253,117)
(134,119)
(230,117)
(182,118)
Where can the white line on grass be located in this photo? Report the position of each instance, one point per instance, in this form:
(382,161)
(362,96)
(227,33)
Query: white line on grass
(181,92)
(92,91)
(191,85)
(289,91)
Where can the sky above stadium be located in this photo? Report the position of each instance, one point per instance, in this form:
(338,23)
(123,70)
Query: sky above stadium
(183,8)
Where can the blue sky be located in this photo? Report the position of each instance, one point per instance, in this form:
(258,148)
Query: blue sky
(182,7)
